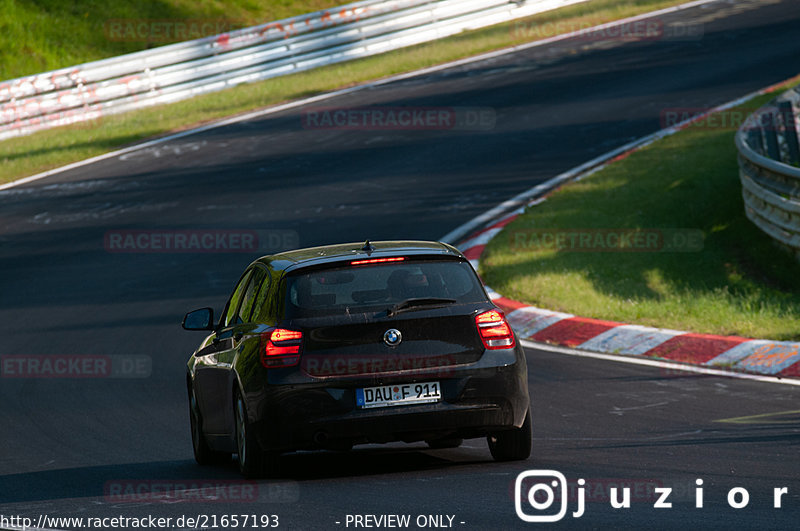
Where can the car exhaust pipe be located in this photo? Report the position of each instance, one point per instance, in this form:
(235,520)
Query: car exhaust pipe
(320,437)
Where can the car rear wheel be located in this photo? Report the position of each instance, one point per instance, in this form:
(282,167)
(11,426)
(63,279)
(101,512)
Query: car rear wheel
(203,454)
(447,442)
(514,444)
(253,461)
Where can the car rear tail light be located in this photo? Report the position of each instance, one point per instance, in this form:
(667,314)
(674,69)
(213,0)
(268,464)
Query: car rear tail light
(282,348)
(494,330)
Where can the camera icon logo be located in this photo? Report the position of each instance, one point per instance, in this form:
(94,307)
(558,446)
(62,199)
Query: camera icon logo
(540,496)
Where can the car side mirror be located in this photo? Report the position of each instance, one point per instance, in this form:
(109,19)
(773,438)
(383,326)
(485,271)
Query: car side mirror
(202,319)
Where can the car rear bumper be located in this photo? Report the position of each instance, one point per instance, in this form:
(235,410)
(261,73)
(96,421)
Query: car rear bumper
(475,402)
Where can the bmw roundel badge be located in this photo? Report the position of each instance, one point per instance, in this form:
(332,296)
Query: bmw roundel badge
(392,337)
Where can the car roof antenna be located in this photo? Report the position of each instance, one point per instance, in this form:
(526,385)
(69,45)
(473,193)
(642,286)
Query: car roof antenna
(368,247)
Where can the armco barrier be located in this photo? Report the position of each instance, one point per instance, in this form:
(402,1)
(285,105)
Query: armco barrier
(768,157)
(179,71)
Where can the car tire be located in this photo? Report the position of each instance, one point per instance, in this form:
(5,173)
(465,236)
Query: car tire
(203,454)
(514,444)
(446,442)
(253,461)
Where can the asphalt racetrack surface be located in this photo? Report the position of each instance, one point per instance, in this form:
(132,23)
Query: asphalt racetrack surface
(70,446)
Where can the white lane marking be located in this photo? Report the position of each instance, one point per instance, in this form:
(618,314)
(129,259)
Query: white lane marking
(623,439)
(481,239)
(671,365)
(342,92)
(173,150)
(621,410)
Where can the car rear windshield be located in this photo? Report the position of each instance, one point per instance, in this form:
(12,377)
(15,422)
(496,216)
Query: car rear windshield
(365,288)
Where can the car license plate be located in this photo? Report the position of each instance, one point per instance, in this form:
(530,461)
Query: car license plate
(398,394)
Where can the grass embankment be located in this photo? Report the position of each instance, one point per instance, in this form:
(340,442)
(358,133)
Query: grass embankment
(738,284)
(48,149)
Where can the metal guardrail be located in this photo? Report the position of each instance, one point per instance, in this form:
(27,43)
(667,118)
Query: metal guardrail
(183,70)
(769,155)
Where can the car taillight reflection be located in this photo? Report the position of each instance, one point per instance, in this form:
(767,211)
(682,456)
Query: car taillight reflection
(282,348)
(494,330)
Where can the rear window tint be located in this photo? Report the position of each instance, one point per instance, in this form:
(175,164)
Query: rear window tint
(373,287)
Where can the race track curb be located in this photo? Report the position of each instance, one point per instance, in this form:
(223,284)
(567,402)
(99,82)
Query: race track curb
(730,353)
(763,357)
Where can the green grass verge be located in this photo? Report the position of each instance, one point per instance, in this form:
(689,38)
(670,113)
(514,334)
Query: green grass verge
(48,149)
(740,283)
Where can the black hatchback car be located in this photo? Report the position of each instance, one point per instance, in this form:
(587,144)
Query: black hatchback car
(357,343)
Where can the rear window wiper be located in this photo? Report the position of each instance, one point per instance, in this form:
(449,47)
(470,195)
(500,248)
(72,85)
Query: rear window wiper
(418,303)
